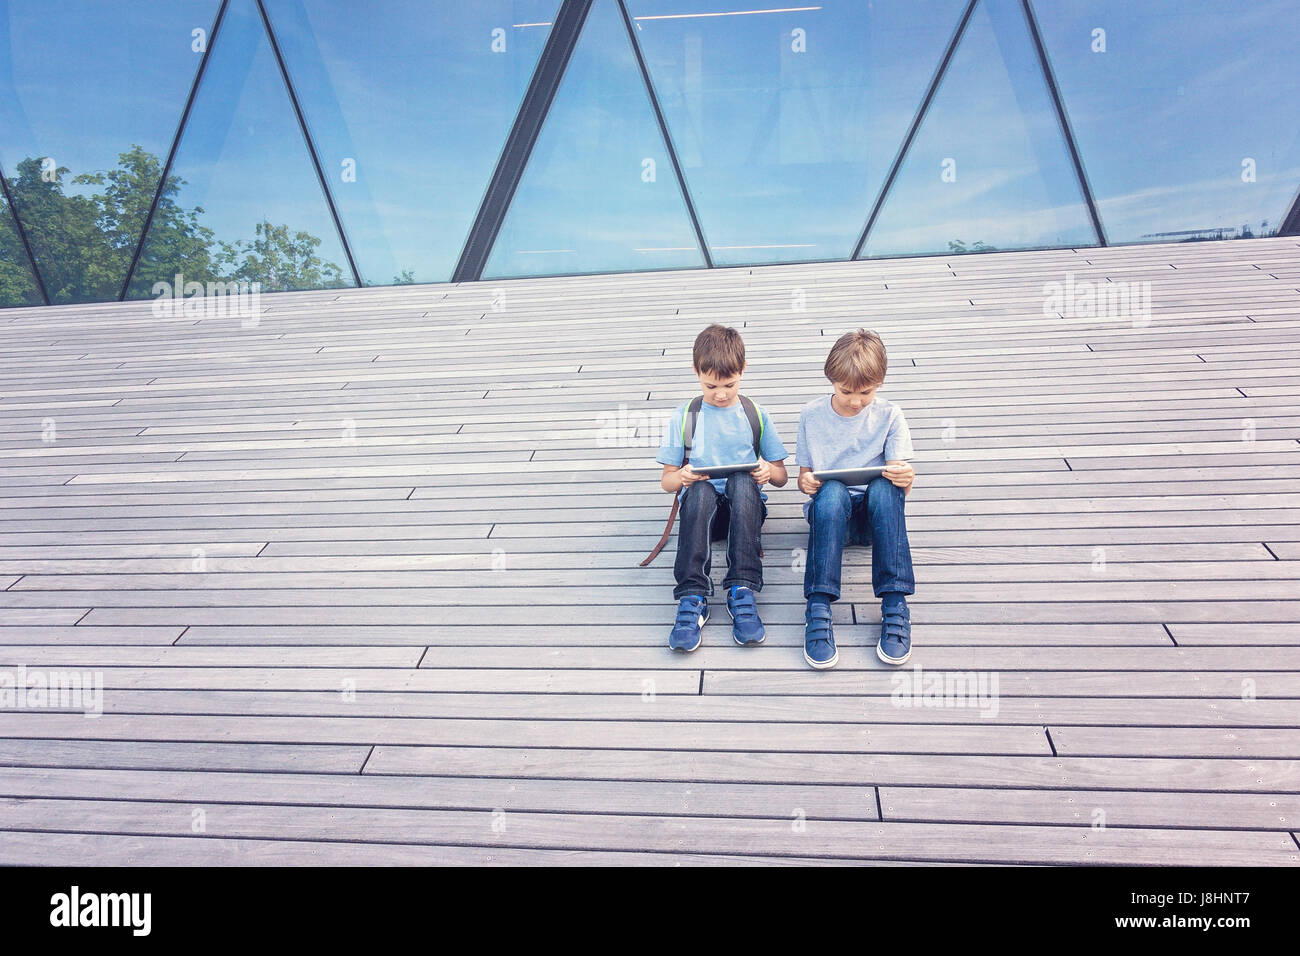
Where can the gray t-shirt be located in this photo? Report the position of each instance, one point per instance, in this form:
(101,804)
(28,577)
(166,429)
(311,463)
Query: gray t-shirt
(827,440)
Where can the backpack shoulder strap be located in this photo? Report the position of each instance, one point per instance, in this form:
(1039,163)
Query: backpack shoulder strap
(755,425)
(688,425)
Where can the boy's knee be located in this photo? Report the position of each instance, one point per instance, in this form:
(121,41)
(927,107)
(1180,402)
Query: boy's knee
(832,496)
(697,494)
(741,486)
(883,492)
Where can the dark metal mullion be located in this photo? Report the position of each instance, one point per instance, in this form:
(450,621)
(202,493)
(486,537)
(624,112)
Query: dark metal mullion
(1050,77)
(311,147)
(22,234)
(668,140)
(1291,224)
(916,124)
(551,65)
(171,153)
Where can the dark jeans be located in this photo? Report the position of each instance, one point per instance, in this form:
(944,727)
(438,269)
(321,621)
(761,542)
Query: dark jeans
(837,518)
(707,516)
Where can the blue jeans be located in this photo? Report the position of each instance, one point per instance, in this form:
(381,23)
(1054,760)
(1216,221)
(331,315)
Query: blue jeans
(836,518)
(707,516)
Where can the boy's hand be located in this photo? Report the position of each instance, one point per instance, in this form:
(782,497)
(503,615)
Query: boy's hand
(763,473)
(900,473)
(807,483)
(689,477)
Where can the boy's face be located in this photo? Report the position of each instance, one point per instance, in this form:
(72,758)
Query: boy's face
(849,401)
(720,390)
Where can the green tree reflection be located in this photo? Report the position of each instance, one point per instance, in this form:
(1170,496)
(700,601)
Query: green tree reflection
(84,243)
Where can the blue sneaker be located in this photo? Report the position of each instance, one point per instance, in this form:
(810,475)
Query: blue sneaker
(746,625)
(692,613)
(895,645)
(819,637)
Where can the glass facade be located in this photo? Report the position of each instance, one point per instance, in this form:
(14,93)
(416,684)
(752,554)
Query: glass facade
(317,143)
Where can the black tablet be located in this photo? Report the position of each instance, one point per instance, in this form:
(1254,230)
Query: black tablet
(851,476)
(722,471)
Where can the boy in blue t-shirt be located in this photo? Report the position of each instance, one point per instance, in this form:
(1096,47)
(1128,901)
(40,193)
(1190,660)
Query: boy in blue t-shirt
(853,428)
(714,508)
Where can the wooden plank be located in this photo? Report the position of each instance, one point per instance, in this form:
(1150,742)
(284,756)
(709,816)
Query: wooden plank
(1154,579)
(645,635)
(874,705)
(1133,562)
(108,636)
(1109,808)
(784,599)
(339,680)
(1180,741)
(1092,683)
(1235,634)
(1156,774)
(631,833)
(150,656)
(188,755)
(1284,550)
(431,731)
(472,793)
(73,849)
(131,610)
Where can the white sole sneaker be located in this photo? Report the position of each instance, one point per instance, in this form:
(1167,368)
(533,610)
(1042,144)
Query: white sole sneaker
(738,640)
(892,660)
(699,637)
(835,659)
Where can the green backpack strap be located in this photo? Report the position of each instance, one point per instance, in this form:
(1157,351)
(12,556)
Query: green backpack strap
(755,426)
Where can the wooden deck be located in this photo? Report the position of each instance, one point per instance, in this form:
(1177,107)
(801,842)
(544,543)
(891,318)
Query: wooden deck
(361,580)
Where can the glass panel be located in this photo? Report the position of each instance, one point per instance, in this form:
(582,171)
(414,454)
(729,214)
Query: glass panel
(17,284)
(786,121)
(599,193)
(90,95)
(243,202)
(409,105)
(1184,113)
(989,167)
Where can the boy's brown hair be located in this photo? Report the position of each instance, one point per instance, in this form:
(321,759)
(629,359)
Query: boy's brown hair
(719,350)
(857,359)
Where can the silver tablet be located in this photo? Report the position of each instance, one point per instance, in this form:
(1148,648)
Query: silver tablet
(722,471)
(851,476)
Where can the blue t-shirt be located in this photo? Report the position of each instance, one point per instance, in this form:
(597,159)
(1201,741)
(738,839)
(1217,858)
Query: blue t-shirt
(828,440)
(722,437)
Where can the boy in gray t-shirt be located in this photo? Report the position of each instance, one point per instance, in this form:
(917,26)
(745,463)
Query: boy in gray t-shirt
(853,428)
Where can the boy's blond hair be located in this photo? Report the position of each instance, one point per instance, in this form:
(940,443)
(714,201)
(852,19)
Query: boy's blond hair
(719,350)
(857,359)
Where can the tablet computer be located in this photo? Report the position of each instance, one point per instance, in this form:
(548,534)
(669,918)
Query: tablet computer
(851,476)
(722,471)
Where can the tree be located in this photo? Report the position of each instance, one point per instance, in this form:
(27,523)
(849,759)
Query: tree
(956,245)
(279,262)
(83,245)
(177,241)
(17,286)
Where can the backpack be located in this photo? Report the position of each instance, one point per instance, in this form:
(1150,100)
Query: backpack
(688,433)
